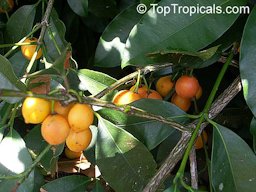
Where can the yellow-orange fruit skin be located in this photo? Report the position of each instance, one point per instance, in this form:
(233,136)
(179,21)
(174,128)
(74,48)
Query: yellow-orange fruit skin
(125,97)
(80,117)
(55,129)
(79,141)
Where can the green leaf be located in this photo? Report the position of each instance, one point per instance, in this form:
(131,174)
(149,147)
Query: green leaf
(159,32)
(80,7)
(55,32)
(95,81)
(183,59)
(9,80)
(233,165)
(247,61)
(36,144)
(112,41)
(150,132)
(98,187)
(71,183)
(19,64)
(253,132)
(124,162)
(15,160)
(20,23)
(103,8)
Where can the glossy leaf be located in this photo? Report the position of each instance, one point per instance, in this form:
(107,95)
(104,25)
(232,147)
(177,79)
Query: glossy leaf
(80,7)
(19,64)
(253,132)
(247,61)
(20,23)
(233,165)
(95,81)
(150,132)
(9,80)
(112,41)
(15,160)
(71,183)
(35,143)
(55,32)
(103,8)
(124,162)
(152,34)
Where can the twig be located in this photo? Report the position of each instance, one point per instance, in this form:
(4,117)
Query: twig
(121,81)
(193,168)
(130,110)
(177,152)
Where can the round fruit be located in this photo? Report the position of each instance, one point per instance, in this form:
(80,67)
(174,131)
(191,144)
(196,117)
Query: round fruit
(142,91)
(6,5)
(35,110)
(55,129)
(29,50)
(80,117)
(72,154)
(124,97)
(61,109)
(199,141)
(79,141)
(182,103)
(199,93)
(164,85)
(154,95)
(187,86)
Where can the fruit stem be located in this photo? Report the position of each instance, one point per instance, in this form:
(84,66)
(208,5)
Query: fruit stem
(204,116)
(13,114)
(33,59)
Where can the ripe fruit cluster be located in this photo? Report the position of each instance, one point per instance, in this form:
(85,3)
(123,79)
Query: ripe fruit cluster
(186,88)
(68,123)
(124,97)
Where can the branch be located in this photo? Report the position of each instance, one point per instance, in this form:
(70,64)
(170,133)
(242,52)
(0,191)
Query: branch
(123,80)
(193,169)
(177,152)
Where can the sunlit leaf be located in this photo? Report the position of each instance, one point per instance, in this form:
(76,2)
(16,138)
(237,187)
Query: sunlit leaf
(233,165)
(118,152)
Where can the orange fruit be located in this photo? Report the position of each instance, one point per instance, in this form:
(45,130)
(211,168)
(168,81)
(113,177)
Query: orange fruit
(80,117)
(142,91)
(61,109)
(35,110)
(199,93)
(154,95)
(182,103)
(72,154)
(124,97)
(55,129)
(29,50)
(164,85)
(199,141)
(6,5)
(187,86)
(79,141)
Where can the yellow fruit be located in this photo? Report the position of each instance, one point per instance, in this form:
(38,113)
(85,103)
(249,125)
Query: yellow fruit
(199,93)
(199,141)
(80,117)
(125,97)
(61,109)
(72,154)
(164,85)
(29,50)
(35,110)
(79,141)
(55,129)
